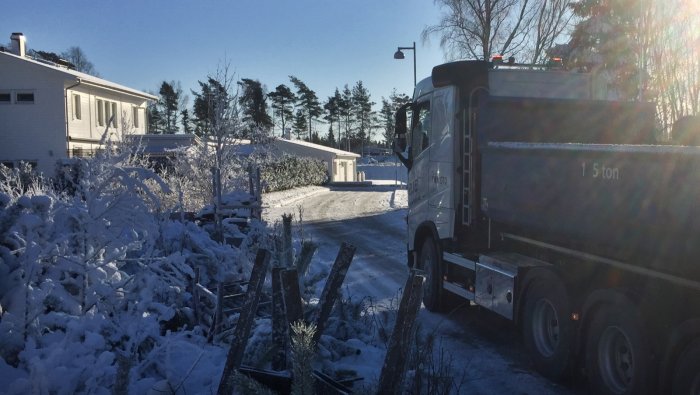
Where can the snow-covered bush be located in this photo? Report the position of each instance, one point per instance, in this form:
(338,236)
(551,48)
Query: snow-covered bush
(91,274)
(287,172)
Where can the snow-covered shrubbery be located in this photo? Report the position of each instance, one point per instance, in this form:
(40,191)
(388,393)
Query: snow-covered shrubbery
(92,274)
(287,172)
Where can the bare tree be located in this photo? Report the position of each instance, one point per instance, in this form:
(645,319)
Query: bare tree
(552,19)
(77,57)
(477,29)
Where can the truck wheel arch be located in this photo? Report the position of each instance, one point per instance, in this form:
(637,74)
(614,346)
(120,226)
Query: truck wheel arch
(426,230)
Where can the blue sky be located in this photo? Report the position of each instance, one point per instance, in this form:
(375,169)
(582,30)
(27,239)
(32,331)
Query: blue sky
(325,43)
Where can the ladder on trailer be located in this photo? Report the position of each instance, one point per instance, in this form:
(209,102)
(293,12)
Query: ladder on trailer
(467,166)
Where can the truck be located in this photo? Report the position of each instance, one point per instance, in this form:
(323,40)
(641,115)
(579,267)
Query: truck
(536,194)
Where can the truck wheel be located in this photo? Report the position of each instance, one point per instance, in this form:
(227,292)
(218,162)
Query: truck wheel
(548,332)
(617,353)
(430,263)
(686,378)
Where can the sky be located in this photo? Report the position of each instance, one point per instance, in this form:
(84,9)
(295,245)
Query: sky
(326,44)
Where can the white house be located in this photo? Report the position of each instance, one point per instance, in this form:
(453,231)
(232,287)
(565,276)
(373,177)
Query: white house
(342,165)
(50,112)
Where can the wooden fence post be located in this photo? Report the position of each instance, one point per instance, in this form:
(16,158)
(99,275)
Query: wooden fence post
(330,291)
(291,295)
(394,367)
(245,322)
(279,322)
(219,319)
(195,297)
(288,253)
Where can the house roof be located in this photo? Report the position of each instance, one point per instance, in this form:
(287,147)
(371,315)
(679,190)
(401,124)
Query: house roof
(320,147)
(83,78)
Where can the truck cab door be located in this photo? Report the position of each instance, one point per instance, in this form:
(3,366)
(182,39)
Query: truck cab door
(418,185)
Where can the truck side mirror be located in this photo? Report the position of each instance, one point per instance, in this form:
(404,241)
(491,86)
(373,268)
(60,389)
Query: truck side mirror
(400,129)
(400,136)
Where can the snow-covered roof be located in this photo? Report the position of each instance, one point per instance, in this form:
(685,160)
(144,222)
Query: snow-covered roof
(320,147)
(83,78)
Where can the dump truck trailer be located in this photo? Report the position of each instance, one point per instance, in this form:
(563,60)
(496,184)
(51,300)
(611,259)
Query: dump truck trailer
(535,195)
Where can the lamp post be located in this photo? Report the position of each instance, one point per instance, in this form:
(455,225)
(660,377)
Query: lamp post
(399,55)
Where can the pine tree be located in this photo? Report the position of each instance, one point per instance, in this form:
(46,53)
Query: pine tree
(168,103)
(332,107)
(331,138)
(155,118)
(362,107)
(283,101)
(204,112)
(186,122)
(253,101)
(307,100)
(606,39)
(345,110)
(300,124)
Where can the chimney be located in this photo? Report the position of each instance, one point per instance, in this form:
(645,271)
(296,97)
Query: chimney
(18,44)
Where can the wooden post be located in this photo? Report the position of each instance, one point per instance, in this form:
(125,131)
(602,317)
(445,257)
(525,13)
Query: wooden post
(288,252)
(394,367)
(258,192)
(291,295)
(279,322)
(219,308)
(333,284)
(195,297)
(245,322)
(308,248)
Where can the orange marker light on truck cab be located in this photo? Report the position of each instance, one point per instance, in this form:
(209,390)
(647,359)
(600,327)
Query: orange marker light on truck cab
(497,59)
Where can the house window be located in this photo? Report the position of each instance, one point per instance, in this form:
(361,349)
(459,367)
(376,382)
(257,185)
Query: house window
(5,97)
(135,116)
(24,97)
(77,111)
(100,113)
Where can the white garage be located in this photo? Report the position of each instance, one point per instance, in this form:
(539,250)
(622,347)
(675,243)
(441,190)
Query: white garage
(342,165)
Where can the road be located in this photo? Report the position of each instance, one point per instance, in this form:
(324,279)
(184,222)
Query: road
(486,351)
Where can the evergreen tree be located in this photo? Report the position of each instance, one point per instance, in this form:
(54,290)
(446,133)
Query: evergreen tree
(308,101)
(332,107)
(155,118)
(363,113)
(186,122)
(345,111)
(168,106)
(283,100)
(253,101)
(300,124)
(331,138)
(205,112)
(606,39)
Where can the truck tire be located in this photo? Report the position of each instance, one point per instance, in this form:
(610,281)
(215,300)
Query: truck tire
(430,263)
(686,378)
(617,353)
(548,333)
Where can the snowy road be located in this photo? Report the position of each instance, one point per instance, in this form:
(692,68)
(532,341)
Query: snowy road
(487,355)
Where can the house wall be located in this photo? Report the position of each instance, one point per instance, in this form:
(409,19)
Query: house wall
(33,132)
(52,127)
(85,125)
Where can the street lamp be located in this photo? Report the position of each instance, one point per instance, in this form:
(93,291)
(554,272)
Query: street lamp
(399,55)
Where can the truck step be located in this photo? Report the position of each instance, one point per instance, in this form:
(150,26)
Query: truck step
(458,289)
(459,260)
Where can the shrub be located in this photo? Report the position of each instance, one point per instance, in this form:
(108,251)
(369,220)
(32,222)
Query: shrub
(287,172)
